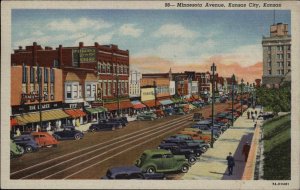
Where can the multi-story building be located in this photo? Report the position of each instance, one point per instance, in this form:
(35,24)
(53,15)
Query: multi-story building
(276,55)
(135,84)
(93,76)
(37,90)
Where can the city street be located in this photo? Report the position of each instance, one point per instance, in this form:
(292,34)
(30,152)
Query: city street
(90,157)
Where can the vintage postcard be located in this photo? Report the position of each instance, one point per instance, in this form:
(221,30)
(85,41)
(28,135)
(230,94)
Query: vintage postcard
(150,95)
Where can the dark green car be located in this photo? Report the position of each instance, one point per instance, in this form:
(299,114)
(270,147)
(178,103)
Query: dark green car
(15,150)
(162,161)
(147,116)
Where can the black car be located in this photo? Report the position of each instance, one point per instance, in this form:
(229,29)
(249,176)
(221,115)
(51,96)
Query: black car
(187,141)
(27,142)
(105,124)
(69,132)
(122,120)
(131,172)
(197,117)
(177,150)
(198,150)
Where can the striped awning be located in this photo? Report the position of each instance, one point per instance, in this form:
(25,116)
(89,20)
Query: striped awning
(137,104)
(75,113)
(46,116)
(96,110)
(115,105)
(166,102)
(151,103)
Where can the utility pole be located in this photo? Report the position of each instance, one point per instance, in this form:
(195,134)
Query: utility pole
(232,96)
(154,85)
(213,69)
(39,77)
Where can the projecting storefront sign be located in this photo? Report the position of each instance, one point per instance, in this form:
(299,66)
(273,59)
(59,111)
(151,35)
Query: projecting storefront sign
(84,55)
(35,107)
(74,105)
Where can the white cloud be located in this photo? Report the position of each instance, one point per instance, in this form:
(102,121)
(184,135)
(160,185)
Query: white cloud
(78,25)
(104,38)
(37,33)
(130,30)
(174,31)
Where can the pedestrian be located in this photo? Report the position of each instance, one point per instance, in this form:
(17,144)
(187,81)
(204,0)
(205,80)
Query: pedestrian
(18,132)
(255,112)
(248,114)
(246,149)
(255,125)
(230,163)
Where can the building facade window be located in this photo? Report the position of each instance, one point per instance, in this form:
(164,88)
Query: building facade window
(80,91)
(289,47)
(109,88)
(279,48)
(46,94)
(88,91)
(46,75)
(289,63)
(24,74)
(52,91)
(75,91)
(55,63)
(282,71)
(52,77)
(32,75)
(69,91)
(93,90)
(289,56)
(270,72)
(108,68)
(104,88)
(269,64)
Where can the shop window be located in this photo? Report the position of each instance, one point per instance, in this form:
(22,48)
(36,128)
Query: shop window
(32,75)
(93,90)
(24,74)
(52,91)
(75,91)
(69,91)
(80,91)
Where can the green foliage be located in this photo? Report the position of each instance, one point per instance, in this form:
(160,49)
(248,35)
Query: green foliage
(276,100)
(277,148)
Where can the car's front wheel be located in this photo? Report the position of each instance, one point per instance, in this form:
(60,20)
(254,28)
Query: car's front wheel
(192,159)
(77,137)
(184,168)
(28,149)
(150,169)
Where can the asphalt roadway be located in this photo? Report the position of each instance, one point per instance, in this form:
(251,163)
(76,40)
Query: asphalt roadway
(90,157)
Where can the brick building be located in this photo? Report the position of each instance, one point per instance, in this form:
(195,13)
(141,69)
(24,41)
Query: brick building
(276,55)
(93,76)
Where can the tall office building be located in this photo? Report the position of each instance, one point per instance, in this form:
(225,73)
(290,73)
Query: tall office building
(276,55)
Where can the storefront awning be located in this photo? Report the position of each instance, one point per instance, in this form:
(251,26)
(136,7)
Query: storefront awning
(114,106)
(137,104)
(151,103)
(95,110)
(46,116)
(75,113)
(166,102)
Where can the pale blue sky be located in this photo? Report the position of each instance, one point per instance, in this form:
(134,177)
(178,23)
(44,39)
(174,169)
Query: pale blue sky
(175,35)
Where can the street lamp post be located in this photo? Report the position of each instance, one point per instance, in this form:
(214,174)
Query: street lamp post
(232,96)
(155,98)
(213,69)
(242,83)
(40,94)
(118,91)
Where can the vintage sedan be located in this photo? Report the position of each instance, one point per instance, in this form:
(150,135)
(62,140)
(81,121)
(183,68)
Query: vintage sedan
(15,150)
(44,139)
(131,172)
(69,132)
(104,125)
(27,142)
(199,146)
(147,116)
(162,161)
(122,120)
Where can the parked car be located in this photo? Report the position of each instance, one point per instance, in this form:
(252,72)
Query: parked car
(105,124)
(187,138)
(69,132)
(44,139)
(205,129)
(162,161)
(130,172)
(266,115)
(159,113)
(122,120)
(27,142)
(198,117)
(179,111)
(15,150)
(168,111)
(197,136)
(195,147)
(147,116)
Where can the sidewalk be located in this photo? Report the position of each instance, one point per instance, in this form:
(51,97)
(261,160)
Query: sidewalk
(213,165)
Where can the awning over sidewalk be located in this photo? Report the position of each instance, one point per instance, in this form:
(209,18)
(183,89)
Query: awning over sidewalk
(95,110)
(151,103)
(137,104)
(166,102)
(75,113)
(114,106)
(46,116)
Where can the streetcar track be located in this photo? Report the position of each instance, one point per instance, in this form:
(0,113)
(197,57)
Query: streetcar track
(160,126)
(141,138)
(91,147)
(101,148)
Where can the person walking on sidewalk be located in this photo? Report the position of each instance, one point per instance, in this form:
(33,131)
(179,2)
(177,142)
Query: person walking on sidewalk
(245,151)
(248,114)
(230,163)
(255,125)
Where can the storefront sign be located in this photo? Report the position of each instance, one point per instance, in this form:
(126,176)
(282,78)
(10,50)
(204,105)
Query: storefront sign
(84,55)
(147,94)
(35,107)
(74,105)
